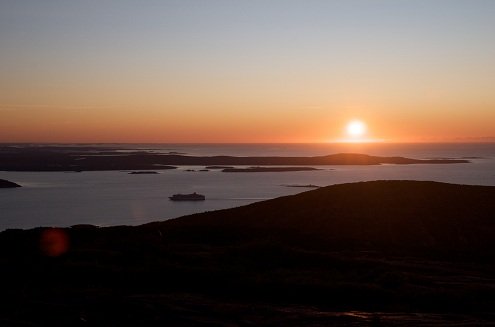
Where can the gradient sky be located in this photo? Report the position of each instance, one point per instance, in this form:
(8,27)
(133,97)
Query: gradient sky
(246,71)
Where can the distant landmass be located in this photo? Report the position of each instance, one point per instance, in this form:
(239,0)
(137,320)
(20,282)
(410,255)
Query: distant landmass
(8,184)
(380,253)
(46,158)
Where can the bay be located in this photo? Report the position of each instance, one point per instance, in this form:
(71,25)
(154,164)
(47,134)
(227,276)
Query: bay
(106,198)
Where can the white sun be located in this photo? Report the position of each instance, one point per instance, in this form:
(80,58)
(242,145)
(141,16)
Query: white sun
(356,129)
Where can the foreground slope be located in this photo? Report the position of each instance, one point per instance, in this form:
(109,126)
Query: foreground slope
(382,215)
(388,249)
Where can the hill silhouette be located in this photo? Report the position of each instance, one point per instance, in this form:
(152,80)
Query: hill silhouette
(379,215)
(370,253)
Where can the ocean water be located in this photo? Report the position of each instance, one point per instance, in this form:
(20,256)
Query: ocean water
(107,198)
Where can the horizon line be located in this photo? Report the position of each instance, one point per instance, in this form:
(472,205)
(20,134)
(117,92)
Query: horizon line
(344,142)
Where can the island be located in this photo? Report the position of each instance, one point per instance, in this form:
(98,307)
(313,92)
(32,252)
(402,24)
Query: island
(8,184)
(60,158)
(301,185)
(267,169)
(145,172)
(358,254)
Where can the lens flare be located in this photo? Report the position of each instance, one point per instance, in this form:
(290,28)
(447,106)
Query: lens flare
(54,242)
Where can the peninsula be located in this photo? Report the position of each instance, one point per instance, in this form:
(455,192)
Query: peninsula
(8,184)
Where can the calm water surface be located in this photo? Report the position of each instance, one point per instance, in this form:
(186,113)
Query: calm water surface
(114,197)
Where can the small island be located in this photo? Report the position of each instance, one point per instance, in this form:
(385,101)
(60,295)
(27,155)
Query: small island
(143,172)
(8,184)
(301,185)
(267,169)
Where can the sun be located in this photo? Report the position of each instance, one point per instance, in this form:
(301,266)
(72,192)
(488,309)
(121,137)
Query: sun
(356,129)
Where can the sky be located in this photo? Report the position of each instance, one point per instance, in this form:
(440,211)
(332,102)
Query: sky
(246,71)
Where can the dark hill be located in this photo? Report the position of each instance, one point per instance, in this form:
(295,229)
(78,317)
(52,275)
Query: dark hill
(384,253)
(386,215)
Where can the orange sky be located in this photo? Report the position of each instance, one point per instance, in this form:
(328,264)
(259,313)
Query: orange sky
(287,71)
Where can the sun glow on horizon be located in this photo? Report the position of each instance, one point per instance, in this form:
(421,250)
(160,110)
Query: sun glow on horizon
(356,129)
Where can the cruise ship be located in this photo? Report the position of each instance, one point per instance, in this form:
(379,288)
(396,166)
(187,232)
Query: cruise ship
(188,197)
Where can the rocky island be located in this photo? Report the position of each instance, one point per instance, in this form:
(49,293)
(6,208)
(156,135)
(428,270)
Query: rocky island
(301,185)
(266,169)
